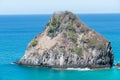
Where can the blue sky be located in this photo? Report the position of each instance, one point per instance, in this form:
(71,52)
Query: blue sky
(51,6)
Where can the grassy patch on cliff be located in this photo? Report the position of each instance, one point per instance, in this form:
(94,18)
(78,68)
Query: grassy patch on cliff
(77,50)
(51,30)
(93,42)
(34,42)
(54,20)
(52,27)
(71,33)
(96,43)
(70,27)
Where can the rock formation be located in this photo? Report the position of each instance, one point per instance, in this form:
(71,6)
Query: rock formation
(68,42)
(117,65)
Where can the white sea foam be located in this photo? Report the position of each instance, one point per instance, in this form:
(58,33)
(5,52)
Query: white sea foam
(12,63)
(79,69)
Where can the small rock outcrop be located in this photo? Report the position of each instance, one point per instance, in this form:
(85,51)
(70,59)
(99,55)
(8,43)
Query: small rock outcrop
(117,65)
(67,42)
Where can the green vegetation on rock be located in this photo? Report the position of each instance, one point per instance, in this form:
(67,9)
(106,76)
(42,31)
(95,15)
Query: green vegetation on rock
(93,42)
(71,33)
(52,27)
(84,38)
(51,30)
(71,28)
(54,20)
(34,42)
(77,50)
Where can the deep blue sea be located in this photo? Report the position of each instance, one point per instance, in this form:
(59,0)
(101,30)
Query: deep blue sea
(16,31)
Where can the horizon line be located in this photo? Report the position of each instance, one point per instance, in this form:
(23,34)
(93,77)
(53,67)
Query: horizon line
(54,12)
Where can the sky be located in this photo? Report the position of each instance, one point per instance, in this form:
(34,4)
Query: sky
(51,6)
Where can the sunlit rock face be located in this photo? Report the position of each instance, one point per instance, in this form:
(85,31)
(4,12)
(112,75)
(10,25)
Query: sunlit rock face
(67,42)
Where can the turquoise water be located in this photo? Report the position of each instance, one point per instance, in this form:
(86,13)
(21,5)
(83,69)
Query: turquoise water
(17,31)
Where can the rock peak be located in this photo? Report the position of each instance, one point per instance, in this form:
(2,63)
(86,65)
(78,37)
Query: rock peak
(68,42)
(64,21)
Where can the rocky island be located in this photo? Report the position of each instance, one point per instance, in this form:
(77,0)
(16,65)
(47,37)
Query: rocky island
(67,42)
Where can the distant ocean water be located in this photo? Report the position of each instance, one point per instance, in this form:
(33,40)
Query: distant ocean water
(16,31)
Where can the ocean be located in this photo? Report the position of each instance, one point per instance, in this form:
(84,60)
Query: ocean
(16,31)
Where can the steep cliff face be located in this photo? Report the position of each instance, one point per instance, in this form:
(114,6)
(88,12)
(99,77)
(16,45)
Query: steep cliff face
(68,42)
